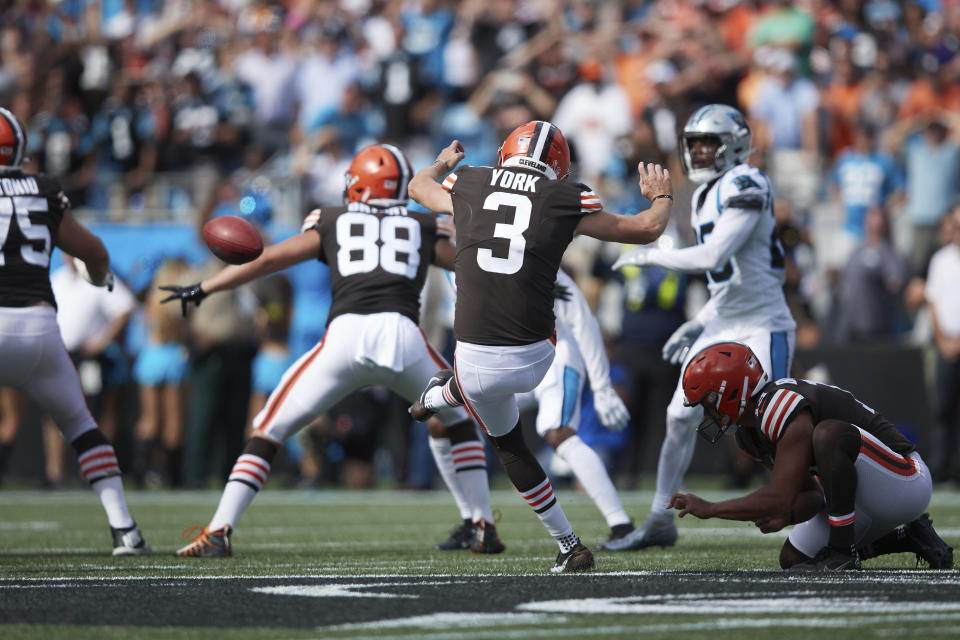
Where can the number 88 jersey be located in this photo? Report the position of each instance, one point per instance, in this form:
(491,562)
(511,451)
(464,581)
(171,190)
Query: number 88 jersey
(378,256)
(512,225)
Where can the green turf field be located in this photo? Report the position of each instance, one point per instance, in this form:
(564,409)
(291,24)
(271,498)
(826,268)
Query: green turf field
(344,564)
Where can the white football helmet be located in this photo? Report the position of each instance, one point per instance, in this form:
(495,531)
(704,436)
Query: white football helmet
(727,125)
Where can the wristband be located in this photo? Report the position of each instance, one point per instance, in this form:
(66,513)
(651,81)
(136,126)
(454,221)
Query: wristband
(662,195)
(442,164)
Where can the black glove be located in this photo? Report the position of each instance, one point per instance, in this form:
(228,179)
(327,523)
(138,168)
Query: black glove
(561,292)
(190,293)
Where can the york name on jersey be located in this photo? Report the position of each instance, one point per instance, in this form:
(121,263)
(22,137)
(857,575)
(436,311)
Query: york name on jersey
(31,209)
(378,256)
(758,264)
(513,226)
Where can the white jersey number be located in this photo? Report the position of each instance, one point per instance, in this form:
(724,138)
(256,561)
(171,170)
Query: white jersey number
(399,236)
(522,207)
(21,206)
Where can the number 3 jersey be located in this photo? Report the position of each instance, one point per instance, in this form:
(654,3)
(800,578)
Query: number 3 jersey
(512,225)
(738,248)
(31,209)
(378,256)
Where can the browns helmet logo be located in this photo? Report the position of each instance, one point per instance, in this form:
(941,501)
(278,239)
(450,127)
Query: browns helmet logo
(13,142)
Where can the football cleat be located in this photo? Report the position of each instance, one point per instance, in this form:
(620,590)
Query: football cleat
(830,559)
(617,531)
(929,546)
(129,542)
(654,532)
(206,544)
(418,410)
(485,538)
(577,559)
(460,538)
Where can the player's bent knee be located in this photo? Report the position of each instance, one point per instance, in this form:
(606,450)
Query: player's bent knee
(790,555)
(261,447)
(556,437)
(836,436)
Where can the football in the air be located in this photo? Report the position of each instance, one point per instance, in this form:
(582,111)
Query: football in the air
(232,239)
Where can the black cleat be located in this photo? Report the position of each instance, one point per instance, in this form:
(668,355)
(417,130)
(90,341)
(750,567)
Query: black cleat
(830,559)
(129,542)
(420,412)
(485,538)
(617,532)
(460,538)
(928,545)
(577,559)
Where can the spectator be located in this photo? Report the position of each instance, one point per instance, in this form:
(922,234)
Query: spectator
(862,178)
(941,293)
(161,371)
(785,116)
(593,115)
(871,285)
(931,150)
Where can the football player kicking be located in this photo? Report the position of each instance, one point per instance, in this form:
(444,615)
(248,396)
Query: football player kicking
(35,216)
(513,223)
(871,478)
(378,253)
(738,250)
(580,356)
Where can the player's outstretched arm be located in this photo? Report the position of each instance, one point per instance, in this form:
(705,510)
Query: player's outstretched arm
(81,243)
(646,226)
(425,186)
(276,257)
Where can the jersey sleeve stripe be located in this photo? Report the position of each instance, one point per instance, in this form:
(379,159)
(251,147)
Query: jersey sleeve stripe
(449,181)
(769,425)
(785,414)
(590,202)
(312,219)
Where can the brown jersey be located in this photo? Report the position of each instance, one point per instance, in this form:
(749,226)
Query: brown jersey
(512,227)
(31,209)
(378,256)
(779,402)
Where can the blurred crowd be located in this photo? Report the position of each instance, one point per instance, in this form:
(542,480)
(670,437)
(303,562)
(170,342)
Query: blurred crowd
(165,111)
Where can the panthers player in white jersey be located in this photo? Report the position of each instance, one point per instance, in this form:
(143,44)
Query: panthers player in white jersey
(739,251)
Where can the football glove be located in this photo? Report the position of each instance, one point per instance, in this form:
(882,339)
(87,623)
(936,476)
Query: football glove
(191,293)
(81,268)
(610,409)
(636,256)
(677,346)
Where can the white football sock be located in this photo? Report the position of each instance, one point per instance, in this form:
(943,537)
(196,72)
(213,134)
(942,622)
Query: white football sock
(470,462)
(110,492)
(545,505)
(440,447)
(592,474)
(246,479)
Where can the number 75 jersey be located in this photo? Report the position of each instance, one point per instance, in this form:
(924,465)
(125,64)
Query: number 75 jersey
(737,210)
(31,209)
(378,256)
(512,226)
